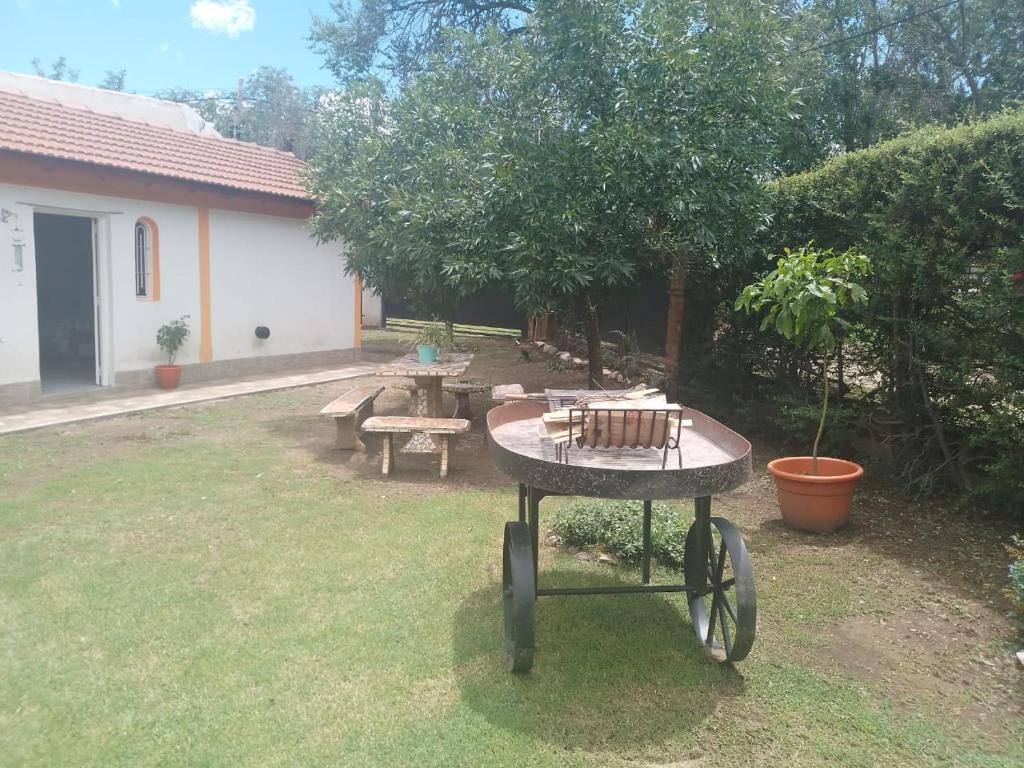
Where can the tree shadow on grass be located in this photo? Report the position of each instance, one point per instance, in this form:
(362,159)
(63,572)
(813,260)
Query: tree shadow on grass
(620,672)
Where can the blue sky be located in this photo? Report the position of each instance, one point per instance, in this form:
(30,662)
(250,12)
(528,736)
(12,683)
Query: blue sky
(202,44)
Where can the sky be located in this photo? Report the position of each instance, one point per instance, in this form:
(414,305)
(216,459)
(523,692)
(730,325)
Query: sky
(199,44)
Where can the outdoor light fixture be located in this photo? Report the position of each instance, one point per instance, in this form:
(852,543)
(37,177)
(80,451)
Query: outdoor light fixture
(18,264)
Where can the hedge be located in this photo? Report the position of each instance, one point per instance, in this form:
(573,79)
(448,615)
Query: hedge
(936,374)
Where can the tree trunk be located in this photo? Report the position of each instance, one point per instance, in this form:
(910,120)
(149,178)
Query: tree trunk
(674,328)
(593,344)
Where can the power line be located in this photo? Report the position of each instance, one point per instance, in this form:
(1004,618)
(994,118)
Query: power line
(866,32)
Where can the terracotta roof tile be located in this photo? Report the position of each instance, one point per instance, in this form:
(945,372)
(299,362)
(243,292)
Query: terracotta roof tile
(49,129)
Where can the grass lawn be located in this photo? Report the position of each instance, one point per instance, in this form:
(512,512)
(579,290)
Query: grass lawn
(213,586)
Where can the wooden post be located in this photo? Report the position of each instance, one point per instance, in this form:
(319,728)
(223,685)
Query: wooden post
(388,459)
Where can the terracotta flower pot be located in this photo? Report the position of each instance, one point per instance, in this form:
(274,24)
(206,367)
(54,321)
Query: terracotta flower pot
(816,503)
(167,376)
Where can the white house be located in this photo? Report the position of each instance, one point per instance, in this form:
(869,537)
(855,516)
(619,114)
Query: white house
(119,213)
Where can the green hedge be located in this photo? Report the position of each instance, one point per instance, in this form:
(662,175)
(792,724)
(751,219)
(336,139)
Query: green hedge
(937,373)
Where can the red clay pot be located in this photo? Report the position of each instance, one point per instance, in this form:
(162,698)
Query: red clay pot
(816,503)
(167,376)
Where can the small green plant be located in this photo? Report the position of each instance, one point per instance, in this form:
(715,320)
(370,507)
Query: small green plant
(172,336)
(618,527)
(434,335)
(803,296)
(557,365)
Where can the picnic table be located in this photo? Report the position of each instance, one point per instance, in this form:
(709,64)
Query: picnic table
(427,397)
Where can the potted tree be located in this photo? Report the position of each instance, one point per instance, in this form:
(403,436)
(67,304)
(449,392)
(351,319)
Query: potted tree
(171,337)
(803,297)
(429,340)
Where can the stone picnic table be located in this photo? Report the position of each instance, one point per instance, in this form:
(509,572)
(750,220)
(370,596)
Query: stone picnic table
(426,398)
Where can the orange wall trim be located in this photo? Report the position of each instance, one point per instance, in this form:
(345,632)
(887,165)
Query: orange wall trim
(154,256)
(205,335)
(357,329)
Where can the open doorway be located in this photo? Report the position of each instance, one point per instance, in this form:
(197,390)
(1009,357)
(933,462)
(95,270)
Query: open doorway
(65,287)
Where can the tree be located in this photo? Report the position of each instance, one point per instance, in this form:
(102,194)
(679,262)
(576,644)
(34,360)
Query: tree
(268,108)
(59,70)
(612,139)
(868,69)
(395,38)
(114,80)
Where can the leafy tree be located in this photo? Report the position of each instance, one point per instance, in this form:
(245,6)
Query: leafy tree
(268,108)
(614,138)
(395,38)
(868,69)
(59,70)
(114,80)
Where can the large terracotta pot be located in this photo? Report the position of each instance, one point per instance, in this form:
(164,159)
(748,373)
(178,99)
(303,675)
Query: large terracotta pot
(167,376)
(816,503)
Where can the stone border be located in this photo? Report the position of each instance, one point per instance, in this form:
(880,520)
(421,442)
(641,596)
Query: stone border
(577,362)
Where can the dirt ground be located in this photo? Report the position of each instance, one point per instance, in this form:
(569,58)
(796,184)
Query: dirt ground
(929,620)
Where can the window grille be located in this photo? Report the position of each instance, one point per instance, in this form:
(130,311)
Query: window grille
(143,260)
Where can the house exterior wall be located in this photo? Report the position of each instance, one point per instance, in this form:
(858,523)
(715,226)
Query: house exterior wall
(263,270)
(269,271)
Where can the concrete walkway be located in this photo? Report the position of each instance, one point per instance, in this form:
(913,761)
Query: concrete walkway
(100,405)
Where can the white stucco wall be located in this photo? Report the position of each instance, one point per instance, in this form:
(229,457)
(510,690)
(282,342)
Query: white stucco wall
(269,271)
(264,270)
(19,331)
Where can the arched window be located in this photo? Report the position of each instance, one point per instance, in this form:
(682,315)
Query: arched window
(147,260)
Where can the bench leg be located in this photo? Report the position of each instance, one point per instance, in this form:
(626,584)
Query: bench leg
(361,415)
(462,407)
(387,455)
(347,439)
(444,455)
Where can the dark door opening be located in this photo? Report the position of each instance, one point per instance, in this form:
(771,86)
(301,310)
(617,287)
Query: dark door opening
(67,310)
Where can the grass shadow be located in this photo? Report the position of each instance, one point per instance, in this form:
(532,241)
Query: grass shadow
(617,672)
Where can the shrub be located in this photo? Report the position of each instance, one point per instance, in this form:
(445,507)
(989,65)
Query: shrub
(937,370)
(617,526)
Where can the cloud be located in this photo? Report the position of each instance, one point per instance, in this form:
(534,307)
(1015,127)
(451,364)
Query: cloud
(223,17)
(116,3)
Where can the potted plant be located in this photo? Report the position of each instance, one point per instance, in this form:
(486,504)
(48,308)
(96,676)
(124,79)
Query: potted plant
(803,297)
(171,337)
(429,340)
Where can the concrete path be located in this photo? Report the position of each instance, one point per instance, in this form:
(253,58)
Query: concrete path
(102,405)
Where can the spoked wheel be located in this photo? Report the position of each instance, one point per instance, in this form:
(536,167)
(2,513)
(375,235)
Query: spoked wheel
(519,596)
(724,613)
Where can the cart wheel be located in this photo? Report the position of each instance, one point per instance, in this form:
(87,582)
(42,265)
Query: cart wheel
(518,596)
(724,614)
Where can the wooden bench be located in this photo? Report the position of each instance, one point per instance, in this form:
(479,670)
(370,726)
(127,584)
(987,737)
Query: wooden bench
(392,425)
(462,390)
(349,412)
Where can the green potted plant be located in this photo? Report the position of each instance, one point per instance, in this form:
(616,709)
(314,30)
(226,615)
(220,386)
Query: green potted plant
(803,297)
(171,337)
(429,340)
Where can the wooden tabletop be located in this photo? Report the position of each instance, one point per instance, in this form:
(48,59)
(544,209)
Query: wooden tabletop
(450,364)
